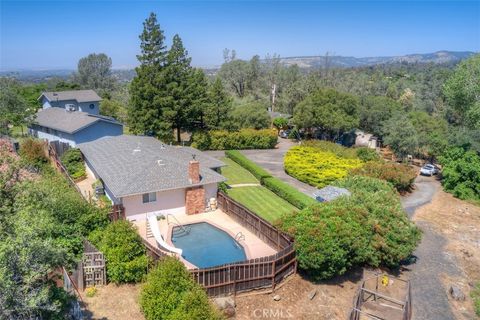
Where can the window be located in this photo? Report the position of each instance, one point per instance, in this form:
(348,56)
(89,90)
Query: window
(92,106)
(149,197)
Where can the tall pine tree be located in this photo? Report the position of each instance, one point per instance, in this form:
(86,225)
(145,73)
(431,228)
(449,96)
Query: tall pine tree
(147,89)
(219,107)
(186,90)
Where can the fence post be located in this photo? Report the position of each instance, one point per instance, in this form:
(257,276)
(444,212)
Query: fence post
(273,275)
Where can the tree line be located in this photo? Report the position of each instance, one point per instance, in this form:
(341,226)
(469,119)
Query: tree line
(417,109)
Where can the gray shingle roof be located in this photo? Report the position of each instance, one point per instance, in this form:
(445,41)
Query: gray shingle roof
(68,121)
(78,95)
(130,165)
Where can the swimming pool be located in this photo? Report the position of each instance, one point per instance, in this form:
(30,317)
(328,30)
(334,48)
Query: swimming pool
(206,246)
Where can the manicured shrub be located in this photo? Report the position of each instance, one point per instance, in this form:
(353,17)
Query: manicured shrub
(369,227)
(288,193)
(254,169)
(367,154)
(335,148)
(124,251)
(400,176)
(169,292)
(316,167)
(73,162)
(461,173)
(242,139)
(32,151)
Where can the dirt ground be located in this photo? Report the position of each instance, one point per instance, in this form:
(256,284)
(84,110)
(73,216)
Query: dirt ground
(459,222)
(113,302)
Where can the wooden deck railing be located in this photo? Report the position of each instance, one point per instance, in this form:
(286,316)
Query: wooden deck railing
(265,272)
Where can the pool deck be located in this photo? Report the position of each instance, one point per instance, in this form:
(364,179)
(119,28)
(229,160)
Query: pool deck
(254,246)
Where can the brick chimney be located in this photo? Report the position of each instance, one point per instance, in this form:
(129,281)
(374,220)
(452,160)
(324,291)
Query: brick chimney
(194,196)
(194,171)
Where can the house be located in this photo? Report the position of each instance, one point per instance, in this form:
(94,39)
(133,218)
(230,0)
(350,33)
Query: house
(146,176)
(72,127)
(364,139)
(75,100)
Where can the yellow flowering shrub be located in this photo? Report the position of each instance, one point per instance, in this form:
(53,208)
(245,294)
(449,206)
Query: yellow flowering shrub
(317,167)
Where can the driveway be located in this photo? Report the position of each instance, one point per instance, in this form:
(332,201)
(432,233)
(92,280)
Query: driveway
(429,295)
(272,161)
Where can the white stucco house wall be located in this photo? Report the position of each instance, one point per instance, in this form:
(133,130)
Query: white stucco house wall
(78,100)
(144,175)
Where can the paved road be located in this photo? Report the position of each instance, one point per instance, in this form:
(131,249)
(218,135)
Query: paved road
(272,161)
(429,296)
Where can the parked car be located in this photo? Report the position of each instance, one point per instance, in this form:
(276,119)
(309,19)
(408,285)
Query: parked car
(284,134)
(428,170)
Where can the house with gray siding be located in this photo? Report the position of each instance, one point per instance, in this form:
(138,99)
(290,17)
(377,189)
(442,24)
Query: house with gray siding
(72,127)
(146,176)
(75,100)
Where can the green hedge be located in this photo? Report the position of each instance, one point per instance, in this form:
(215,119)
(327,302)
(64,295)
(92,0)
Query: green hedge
(169,292)
(367,228)
(242,139)
(400,176)
(280,188)
(288,193)
(254,169)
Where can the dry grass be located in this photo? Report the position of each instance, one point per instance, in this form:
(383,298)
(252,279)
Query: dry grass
(459,222)
(114,302)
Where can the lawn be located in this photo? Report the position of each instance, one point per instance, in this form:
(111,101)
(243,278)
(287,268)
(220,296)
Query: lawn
(262,201)
(235,174)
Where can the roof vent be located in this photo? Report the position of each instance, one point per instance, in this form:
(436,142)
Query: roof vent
(160,162)
(137,149)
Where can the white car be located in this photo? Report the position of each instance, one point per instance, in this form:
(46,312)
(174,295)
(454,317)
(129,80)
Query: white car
(428,170)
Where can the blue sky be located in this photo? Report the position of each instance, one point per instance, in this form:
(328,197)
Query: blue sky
(41,35)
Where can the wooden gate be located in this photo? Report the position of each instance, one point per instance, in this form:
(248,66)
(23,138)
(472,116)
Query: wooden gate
(93,265)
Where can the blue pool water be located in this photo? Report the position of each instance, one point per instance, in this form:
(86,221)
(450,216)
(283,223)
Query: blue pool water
(207,246)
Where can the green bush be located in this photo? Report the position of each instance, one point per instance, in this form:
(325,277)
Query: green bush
(169,292)
(400,176)
(317,167)
(242,139)
(73,161)
(254,169)
(32,152)
(73,217)
(335,148)
(475,294)
(367,154)
(124,251)
(461,173)
(369,227)
(288,193)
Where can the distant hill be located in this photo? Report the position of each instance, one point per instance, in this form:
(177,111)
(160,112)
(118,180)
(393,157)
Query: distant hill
(304,62)
(439,57)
